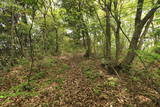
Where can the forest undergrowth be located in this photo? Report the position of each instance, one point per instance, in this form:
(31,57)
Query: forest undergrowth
(71,80)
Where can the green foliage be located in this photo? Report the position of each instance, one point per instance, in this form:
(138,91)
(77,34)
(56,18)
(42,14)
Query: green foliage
(39,75)
(8,94)
(156,48)
(90,73)
(111,82)
(135,78)
(22,61)
(72,47)
(23,28)
(151,78)
(19,90)
(97,91)
(155,77)
(2,80)
(45,105)
(149,56)
(4,43)
(47,62)
(22,87)
(59,80)
(63,68)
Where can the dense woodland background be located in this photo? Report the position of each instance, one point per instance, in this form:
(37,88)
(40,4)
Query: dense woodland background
(80,53)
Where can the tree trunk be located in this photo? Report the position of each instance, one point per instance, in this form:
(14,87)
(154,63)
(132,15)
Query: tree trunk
(88,52)
(88,43)
(95,42)
(117,32)
(133,47)
(118,44)
(139,24)
(57,42)
(144,33)
(85,33)
(108,35)
(84,41)
(31,47)
(44,32)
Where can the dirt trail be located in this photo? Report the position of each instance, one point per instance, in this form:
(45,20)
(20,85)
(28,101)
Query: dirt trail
(78,89)
(76,86)
(86,84)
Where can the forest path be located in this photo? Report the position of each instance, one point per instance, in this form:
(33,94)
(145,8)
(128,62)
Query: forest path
(76,86)
(81,81)
(71,80)
(87,84)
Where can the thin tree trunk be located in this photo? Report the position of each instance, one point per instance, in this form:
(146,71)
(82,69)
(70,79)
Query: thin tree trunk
(117,32)
(20,42)
(31,47)
(144,33)
(12,49)
(95,42)
(108,35)
(84,41)
(85,33)
(88,52)
(44,33)
(88,43)
(57,41)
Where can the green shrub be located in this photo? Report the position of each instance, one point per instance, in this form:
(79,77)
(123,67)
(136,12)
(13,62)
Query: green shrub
(23,61)
(62,69)
(59,80)
(15,94)
(97,90)
(47,62)
(149,56)
(91,74)
(111,82)
(39,75)
(22,87)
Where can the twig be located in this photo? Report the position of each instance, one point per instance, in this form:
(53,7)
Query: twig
(116,72)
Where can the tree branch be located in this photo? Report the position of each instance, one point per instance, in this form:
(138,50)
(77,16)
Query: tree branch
(151,13)
(139,12)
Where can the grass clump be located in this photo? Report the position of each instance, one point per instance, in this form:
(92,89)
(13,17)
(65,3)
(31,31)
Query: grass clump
(97,91)
(19,90)
(90,73)
(39,75)
(111,82)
